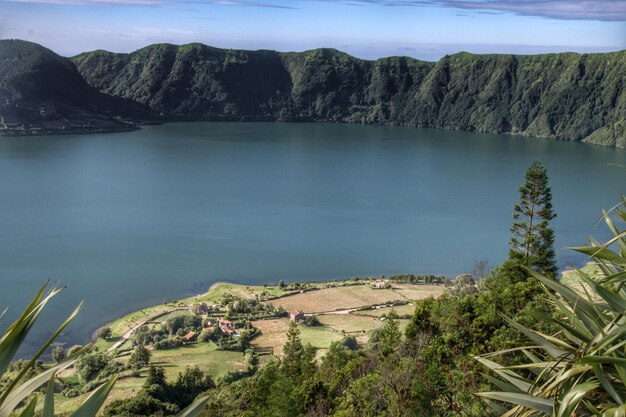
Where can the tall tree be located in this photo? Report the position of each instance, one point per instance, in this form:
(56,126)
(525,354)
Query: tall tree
(532,243)
(140,357)
(292,352)
(391,336)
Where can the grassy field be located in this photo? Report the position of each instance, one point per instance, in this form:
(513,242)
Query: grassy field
(350,323)
(332,299)
(203,355)
(418,292)
(378,312)
(274,334)
(348,297)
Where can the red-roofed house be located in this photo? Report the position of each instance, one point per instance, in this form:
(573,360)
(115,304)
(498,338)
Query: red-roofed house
(227,327)
(297,316)
(189,337)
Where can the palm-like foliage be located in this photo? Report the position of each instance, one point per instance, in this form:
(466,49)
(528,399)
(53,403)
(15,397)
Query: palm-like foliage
(17,392)
(581,371)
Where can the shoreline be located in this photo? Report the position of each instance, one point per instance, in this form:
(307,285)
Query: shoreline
(215,290)
(123,325)
(16,133)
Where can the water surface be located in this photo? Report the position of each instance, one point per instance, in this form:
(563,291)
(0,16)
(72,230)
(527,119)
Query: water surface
(132,219)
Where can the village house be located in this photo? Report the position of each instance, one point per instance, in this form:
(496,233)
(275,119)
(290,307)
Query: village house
(379,284)
(227,327)
(297,316)
(189,337)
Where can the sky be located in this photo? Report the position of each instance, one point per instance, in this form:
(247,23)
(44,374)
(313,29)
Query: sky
(369,29)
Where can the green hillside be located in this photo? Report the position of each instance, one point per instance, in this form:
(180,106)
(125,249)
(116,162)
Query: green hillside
(558,96)
(565,96)
(42,93)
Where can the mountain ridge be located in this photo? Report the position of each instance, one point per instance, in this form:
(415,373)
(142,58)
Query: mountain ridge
(565,96)
(43,93)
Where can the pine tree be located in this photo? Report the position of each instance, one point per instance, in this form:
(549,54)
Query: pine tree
(292,352)
(391,336)
(532,243)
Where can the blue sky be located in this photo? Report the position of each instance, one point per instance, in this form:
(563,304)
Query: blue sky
(425,29)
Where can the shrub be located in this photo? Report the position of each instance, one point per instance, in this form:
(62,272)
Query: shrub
(312,321)
(105,333)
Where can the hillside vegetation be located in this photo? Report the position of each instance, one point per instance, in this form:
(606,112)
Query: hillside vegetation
(559,96)
(42,92)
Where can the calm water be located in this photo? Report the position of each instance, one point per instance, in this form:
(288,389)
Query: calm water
(132,219)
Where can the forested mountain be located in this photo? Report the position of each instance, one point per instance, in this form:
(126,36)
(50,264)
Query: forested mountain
(559,96)
(42,92)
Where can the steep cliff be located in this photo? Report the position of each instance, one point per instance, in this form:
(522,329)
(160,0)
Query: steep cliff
(560,96)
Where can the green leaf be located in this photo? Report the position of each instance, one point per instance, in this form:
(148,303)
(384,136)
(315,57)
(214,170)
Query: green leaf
(606,384)
(573,396)
(194,408)
(29,411)
(15,334)
(602,359)
(92,405)
(48,405)
(543,405)
(17,395)
(19,338)
(601,253)
(509,376)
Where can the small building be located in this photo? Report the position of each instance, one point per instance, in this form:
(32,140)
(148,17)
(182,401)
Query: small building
(227,327)
(380,284)
(203,308)
(189,337)
(297,316)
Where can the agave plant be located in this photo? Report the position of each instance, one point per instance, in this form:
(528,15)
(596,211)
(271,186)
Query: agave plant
(581,371)
(16,393)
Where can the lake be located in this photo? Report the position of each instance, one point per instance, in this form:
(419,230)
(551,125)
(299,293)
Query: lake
(132,219)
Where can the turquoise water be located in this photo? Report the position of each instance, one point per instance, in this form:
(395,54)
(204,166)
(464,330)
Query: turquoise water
(132,219)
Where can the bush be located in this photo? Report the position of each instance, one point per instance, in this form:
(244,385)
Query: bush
(70,392)
(105,333)
(350,342)
(58,353)
(112,368)
(89,366)
(140,405)
(139,358)
(71,351)
(170,343)
(312,321)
